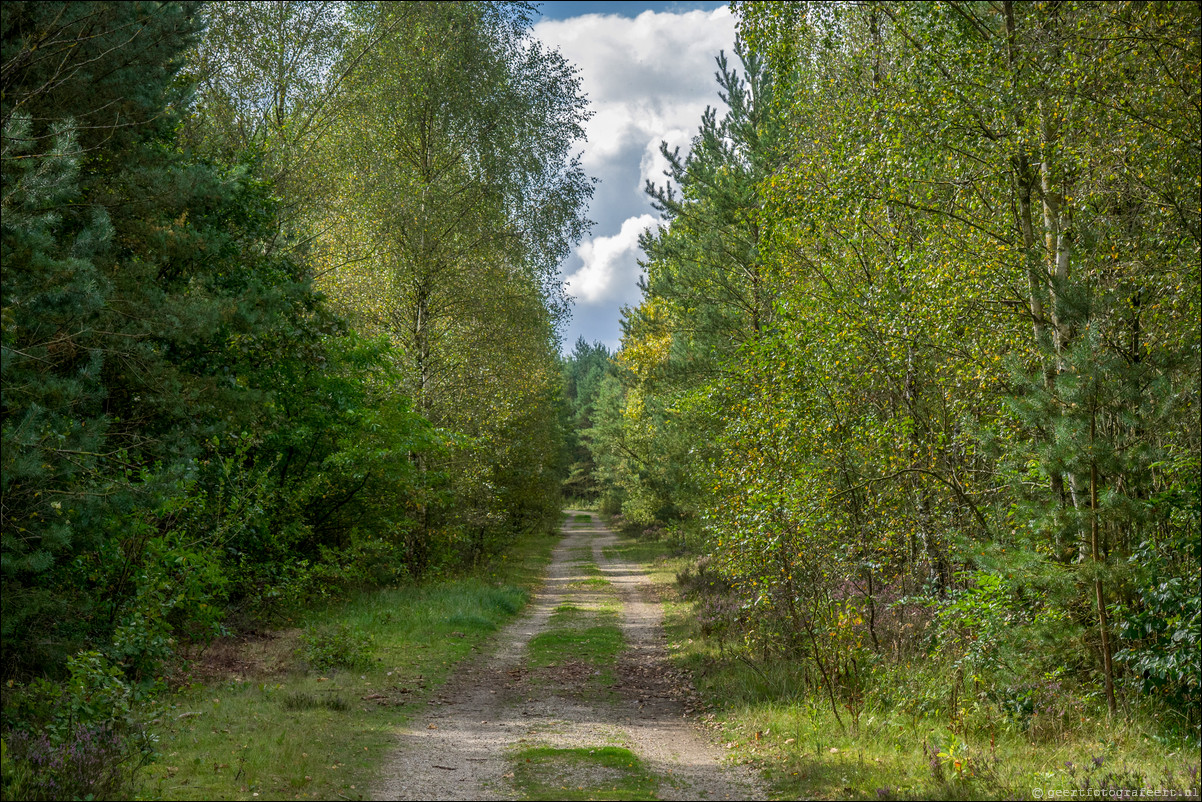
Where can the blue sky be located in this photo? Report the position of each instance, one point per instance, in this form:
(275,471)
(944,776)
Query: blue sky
(561,9)
(648,71)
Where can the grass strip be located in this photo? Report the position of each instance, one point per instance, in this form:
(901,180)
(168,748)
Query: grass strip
(594,643)
(584,631)
(303,734)
(602,772)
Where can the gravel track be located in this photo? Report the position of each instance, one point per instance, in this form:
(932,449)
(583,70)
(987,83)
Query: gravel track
(460,749)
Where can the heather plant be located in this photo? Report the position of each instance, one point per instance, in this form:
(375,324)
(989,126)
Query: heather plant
(91,762)
(78,739)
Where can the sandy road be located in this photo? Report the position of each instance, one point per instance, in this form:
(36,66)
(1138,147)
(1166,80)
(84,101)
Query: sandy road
(461,749)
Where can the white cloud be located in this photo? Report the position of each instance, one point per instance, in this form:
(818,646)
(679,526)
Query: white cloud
(648,78)
(644,76)
(610,271)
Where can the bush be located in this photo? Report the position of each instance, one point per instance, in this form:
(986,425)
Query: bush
(91,762)
(338,646)
(88,744)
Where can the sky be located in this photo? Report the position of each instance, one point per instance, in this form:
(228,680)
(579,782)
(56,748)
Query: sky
(648,71)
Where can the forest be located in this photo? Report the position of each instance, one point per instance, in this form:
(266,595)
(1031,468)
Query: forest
(912,383)
(916,360)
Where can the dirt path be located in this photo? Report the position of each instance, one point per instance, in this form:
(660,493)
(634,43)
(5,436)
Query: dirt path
(464,747)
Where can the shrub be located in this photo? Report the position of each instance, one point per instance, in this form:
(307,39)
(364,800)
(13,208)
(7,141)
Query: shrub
(89,742)
(91,762)
(337,646)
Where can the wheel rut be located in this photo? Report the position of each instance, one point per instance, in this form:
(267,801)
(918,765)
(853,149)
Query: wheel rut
(469,744)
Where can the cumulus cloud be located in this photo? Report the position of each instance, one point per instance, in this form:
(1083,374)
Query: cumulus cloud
(609,273)
(648,78)
(645,76)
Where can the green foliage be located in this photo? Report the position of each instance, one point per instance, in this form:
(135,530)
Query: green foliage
(336,646)
(707,293)
(440,230)
(191,436)
(973,621)
(94,693)
(583,373)
(895,368)
(1161,623)
(86,736)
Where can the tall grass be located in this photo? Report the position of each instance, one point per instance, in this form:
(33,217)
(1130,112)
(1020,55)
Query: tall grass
(902,741)
(322,734)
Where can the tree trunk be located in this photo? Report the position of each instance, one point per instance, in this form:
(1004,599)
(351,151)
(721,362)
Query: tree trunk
(1037,277)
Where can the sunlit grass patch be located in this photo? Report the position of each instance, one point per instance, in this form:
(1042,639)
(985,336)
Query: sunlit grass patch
(598,644)
(591,599)
(323,733)
(591,577)
(655,555)
(602,772)
(574,504)
(579,649)
(567,614)
(592,582)
(805,753)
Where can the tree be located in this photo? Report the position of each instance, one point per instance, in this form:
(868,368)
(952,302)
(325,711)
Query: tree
(966,384)
(160,361)
(705,263)
(456,196)
(583,372)
(986,154)
(707,294)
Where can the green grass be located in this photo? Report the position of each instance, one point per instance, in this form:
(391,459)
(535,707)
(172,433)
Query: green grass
(655,555)
(804,752)
(599,645)
(602,772)
(323,735)
(584,630)
(299,700)
(581,554)
(584,518)
(582,634)
(594,576)
(598,582)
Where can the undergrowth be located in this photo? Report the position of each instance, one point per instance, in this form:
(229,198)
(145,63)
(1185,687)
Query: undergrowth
(918,730)
(352,674)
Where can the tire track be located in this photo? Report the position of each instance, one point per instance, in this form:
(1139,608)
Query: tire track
(461,748)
